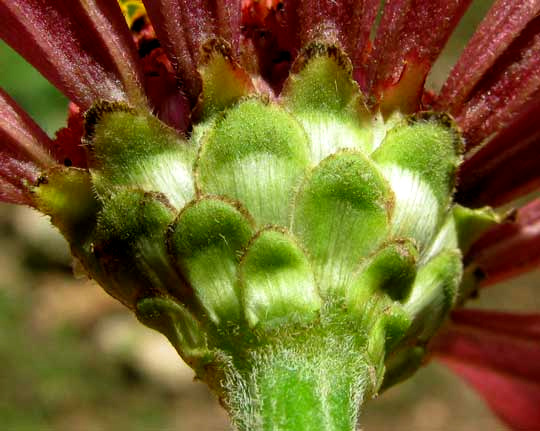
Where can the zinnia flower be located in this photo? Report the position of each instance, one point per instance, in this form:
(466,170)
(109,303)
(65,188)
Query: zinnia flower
(275,190)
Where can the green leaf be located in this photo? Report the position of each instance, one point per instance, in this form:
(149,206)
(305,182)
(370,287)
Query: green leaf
(206,242)
(472,223)
(402,364)
(341,216)
(420,159)
(255,154)
(321,78)
(390,271)
(325,98)
(434,293)
(277,282)
(389,324)
(131,249)
(66,195)
(224,82)
(137,150)
(177,324)
(445,239)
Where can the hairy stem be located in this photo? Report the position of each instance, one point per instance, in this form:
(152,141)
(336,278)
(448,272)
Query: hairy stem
(318,386)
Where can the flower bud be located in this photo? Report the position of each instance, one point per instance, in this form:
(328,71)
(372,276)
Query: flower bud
(281,227)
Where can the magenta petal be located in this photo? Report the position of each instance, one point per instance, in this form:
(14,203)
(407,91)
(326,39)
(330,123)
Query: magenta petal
(409,38)
(508,166)
(504,22)
(511,248)
(498,354)
(183,26)
(82,46)
(511,83)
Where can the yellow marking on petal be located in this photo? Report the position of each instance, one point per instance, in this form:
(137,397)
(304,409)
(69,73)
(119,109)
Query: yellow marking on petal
(132,10)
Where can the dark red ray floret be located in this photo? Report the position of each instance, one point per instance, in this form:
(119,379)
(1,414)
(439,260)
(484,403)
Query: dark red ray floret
(163,90)
(161,83)
(279,29)
(24,151)
(499,355)
(512,82)
(20,135)
(502,25)
(67,144)
(507,166)
(348,22)
(83,47)
(269,35)
(183,26)
(409,38)
(511,248)
(13,194)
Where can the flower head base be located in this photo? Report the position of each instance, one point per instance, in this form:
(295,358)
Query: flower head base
(279,226)
(314,216)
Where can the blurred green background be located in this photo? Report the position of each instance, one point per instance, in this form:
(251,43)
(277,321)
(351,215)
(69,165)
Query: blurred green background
(73,359)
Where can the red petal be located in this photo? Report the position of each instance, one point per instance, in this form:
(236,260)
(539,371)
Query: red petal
(346,21)
(526,326)
(270,39)
(183,26)
(82,46)
(255,13)
(503,23)
(162,87)
(67,146)
(504,89)
(511,248)
(409,38)
(24,151)
(279,29)
(11,194)
(498,354)
(15,177)
(20,135)
(508,166)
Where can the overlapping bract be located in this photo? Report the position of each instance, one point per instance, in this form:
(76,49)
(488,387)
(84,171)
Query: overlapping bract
(492,91)
(293,237)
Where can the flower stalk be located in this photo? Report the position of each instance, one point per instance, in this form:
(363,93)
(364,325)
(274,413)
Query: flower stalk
(316,381)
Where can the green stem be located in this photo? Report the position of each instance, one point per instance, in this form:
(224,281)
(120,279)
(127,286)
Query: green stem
(286,389)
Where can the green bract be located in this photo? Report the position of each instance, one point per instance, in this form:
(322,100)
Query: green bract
(292,250)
